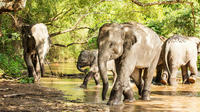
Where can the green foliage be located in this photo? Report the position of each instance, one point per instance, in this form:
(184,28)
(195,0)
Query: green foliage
(11,65)
(60,15)
(11,62)
(198,64)
(26,80)
(92,43)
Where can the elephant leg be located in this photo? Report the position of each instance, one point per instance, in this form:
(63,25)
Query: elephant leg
(128,93)
(158,73)
(114,77)
(193,70)
(41,62)
(172,77)
(184,70)
(96,78)
(30,66)
(137,78)
(122,86)
(86,79)
(37,65)
(148,77)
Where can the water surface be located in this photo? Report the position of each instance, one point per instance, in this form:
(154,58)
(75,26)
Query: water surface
(181,98)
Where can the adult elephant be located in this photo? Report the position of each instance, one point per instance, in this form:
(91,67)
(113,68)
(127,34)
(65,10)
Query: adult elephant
(35,40)
(89,58)
(133,47)
(180,52)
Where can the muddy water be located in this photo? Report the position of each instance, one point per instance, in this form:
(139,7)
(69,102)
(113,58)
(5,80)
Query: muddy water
(181,98)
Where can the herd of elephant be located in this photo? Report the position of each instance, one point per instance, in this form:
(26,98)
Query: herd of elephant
(131,51)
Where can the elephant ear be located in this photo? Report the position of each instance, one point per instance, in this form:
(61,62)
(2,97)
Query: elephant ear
(129,38)
(197,41)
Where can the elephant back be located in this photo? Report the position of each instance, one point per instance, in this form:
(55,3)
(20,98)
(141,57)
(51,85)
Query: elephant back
(40,33)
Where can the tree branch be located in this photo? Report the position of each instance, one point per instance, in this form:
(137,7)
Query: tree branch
(76,24)
(68,30)
(60,45)
(166,3)
(56,17)
(160,2)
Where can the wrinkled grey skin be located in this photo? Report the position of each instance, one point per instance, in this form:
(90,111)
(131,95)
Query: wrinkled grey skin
(133,47)
(89,58)
(180,52)
(35,40)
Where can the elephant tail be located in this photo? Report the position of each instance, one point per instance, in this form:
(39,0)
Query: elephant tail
(166,56)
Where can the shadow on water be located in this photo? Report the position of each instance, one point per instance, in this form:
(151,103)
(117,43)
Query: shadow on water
(181,98)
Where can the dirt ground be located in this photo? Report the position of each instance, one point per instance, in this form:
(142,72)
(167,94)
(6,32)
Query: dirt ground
(16,97)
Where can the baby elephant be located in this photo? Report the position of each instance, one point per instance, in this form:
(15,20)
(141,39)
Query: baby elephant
(89,58)
(179,51)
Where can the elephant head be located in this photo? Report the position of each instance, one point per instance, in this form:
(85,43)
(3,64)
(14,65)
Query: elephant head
(110,45)
(197,41)
(86,58)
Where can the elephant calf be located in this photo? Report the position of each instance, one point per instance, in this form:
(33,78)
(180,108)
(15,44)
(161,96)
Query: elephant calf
(35,40)
(89,58)
(179,51)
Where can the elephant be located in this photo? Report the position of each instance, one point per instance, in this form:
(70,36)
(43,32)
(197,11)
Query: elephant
(179,52)
(89,58)
(160,65)
(36,44)
(134,47)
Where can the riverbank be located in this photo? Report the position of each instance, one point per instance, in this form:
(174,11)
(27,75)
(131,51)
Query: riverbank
(35,98)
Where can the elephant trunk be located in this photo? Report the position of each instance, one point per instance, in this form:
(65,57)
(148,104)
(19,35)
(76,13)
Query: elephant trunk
(102,63)
(79,68)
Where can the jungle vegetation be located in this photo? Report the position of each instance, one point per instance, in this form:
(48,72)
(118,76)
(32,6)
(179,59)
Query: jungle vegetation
(73,25)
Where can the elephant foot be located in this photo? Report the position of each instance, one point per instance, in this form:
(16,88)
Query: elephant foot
(172,82)
(83,86)
(36,79)
(164,82)
(146,95)
(192,79)
(115,97)
(129,100)
(128,96)
(115,102)
(164,79)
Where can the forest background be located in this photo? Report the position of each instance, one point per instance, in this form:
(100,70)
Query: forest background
(75,25)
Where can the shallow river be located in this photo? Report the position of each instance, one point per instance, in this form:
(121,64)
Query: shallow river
(182,98)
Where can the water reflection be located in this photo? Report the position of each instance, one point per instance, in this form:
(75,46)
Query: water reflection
(64,68)
(181,98)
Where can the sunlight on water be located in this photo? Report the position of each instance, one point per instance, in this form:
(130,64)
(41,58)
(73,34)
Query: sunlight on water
(181,98)
(65,68)
(72,91)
